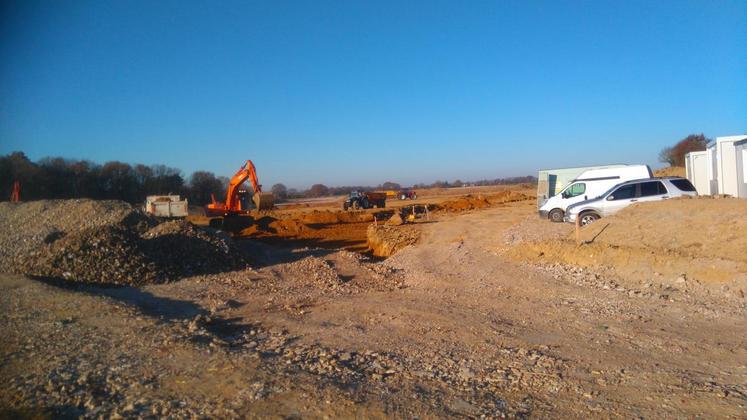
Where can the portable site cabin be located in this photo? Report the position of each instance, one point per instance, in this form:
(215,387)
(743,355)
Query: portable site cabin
(720,169)
(697,167)
(726,165)
(740,148)
(552,181)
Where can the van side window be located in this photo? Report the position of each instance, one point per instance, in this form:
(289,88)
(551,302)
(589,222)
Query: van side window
(576,189)
(652,188)
(624,192)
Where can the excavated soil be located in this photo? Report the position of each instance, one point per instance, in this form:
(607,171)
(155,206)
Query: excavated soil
(671,171)
(324,229)
(470,202)
(699,239)
(384,240)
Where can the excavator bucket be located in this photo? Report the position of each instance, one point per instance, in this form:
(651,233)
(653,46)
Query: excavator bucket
(263,201)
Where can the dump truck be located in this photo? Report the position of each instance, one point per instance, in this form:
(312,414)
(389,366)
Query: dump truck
(364,200)
(169,206)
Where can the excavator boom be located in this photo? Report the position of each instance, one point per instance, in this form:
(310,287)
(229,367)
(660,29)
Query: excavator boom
(232,205)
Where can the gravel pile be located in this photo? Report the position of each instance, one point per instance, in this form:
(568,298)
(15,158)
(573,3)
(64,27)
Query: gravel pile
(108,242)
(28,226)
(107,254)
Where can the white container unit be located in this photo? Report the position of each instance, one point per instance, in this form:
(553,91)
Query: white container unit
(699,171)
(741,153)
(727,175)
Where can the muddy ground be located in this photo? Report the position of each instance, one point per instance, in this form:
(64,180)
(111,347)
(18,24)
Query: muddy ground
(467,322)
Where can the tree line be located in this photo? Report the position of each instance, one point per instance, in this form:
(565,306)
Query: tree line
(675,155)
(51,178)
(60,178)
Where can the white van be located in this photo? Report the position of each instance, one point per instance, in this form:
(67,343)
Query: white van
(590,184)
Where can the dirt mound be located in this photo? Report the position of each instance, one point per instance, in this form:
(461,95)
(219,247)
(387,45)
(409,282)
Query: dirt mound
(272,226)
(384,240)
(329,217)
(508,197)
(109,243)
(180,249)
(702,238)
(106,254)
(30,225)
(671,171)
(701,227)
(470,202)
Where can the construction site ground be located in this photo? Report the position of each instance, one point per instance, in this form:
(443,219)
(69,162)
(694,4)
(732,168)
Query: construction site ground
(485,315)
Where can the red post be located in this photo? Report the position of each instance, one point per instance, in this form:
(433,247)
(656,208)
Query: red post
(15,196)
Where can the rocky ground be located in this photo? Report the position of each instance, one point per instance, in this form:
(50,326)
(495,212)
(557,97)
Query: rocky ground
(452,326)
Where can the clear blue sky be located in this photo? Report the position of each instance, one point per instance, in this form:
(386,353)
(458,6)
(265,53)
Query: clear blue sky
(364,92)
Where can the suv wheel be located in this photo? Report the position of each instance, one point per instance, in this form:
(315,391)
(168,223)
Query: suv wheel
(588,218)
(556,215)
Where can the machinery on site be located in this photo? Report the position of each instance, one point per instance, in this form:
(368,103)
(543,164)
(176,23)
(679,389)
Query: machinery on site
(364,200)
(236,198)
(407,195)
(169,206)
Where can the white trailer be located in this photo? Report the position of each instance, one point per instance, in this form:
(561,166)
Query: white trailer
(698,168)
(726,164)
(166,206)
(720,169)
(741,154)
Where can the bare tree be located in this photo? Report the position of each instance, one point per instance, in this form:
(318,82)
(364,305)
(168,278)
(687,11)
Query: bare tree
(279,191)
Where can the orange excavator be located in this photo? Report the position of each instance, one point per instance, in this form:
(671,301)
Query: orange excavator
(236,203)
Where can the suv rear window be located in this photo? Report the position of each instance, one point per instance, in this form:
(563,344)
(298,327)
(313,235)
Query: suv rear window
(683,184)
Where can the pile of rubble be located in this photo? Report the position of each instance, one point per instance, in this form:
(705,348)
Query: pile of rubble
(108,242)
(31,225)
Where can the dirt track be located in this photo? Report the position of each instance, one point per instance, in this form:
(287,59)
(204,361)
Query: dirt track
(453,326)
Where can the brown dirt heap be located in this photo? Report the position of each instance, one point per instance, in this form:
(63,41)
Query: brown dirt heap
(385,240)
(671,171)
(703,238)
(470,202)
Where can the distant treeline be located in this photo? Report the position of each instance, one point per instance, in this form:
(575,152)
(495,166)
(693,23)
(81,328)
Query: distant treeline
(57,177)
(65,178)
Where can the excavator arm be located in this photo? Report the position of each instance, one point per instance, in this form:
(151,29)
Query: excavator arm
(232,205)
(248,171)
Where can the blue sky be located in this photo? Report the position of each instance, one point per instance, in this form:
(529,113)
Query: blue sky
(365,92)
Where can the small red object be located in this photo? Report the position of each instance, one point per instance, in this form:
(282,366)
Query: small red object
(15,196)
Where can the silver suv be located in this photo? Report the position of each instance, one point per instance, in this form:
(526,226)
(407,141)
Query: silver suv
(627,193)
